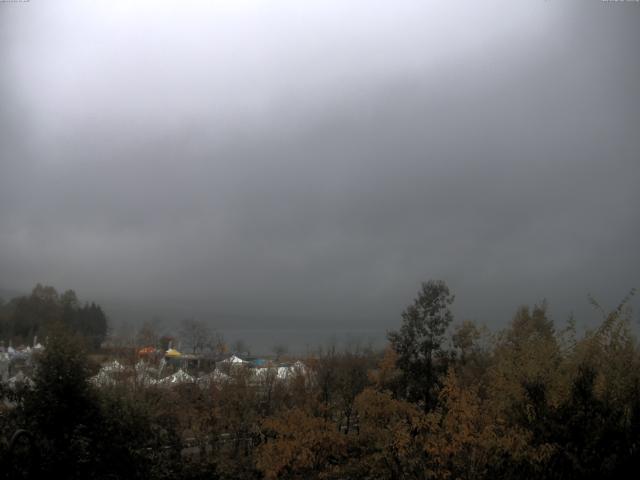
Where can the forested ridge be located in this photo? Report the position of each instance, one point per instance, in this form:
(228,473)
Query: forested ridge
(443,400)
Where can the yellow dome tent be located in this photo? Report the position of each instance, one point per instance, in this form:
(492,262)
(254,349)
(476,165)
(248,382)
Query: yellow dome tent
(172,353)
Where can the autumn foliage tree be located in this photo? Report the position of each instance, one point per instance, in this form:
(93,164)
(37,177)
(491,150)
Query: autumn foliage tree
(300,445)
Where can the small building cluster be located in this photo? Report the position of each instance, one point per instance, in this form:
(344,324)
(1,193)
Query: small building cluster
(171,368)
(17,364)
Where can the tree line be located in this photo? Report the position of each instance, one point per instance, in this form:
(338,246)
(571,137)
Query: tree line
(25,318)
(443,400)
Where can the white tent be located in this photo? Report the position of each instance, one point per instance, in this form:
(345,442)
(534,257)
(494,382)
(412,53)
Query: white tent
(284,372)
(177,378)
(287,372)
(263,374)
(20,379)
(233,359)
(212,378)
(143,378)
(145,368)
(113,367)
(102,379)
(300,367)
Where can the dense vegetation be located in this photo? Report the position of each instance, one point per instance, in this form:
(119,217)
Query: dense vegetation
(443,400)
(26,317)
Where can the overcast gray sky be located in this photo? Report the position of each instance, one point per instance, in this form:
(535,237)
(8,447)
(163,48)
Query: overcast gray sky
(303,165)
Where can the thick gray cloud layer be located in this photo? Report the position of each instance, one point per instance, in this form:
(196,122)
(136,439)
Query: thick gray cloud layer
(271,164)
